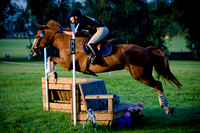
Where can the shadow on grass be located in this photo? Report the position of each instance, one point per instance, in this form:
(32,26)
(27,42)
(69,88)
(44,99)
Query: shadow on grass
(155,120)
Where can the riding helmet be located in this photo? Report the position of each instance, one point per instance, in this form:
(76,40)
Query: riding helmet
(75,12)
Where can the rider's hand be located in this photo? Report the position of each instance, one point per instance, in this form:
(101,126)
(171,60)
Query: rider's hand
(60,30)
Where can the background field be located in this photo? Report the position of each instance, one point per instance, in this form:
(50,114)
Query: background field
(177,45)
(16,48)
(21,99)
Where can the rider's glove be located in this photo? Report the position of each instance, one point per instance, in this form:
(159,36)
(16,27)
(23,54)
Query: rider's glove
(60,30)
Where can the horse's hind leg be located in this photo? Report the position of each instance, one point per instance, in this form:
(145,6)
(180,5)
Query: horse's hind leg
(158,87)
(147,79)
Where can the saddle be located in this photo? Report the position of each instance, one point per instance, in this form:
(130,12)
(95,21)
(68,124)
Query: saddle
(104,47)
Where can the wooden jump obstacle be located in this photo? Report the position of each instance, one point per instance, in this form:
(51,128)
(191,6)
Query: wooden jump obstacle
(89,94)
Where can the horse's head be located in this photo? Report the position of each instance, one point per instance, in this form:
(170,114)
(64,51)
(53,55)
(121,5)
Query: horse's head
(40,40)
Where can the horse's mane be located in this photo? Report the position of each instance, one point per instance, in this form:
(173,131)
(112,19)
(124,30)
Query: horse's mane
(53,24)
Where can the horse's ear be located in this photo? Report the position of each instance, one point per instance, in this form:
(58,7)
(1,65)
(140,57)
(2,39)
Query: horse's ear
(41,27)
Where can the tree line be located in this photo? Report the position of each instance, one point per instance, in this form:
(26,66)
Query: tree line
(130,21)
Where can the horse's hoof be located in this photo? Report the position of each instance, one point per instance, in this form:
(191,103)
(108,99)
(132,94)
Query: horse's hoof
(54,76)
(171,110)
(166,110)
(50,58)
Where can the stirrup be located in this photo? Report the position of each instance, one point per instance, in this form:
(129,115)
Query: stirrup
(95,60)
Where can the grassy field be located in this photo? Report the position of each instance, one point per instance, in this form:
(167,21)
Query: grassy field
(16,48)
(177,44)
(21,100)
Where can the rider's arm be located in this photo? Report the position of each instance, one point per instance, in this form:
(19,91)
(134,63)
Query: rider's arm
(70,32)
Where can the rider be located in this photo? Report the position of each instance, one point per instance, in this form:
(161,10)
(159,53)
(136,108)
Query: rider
(95,27)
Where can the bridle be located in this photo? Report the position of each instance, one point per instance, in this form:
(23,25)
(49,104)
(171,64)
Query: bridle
(41,36)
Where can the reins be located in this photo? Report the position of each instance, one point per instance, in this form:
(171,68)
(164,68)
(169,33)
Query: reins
(52,37)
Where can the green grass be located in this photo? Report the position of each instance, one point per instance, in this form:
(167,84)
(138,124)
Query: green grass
(177,44)
(16,48)
(21,100)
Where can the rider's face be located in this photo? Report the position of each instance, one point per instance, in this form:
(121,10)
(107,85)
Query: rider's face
(73,19)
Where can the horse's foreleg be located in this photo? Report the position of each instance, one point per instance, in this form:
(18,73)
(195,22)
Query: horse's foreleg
(51,70)
(61,62)
(52,61)
(50,66)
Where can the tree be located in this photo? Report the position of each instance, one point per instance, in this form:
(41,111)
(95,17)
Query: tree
(130,20)
(185,13)
(45,10)
(6,9)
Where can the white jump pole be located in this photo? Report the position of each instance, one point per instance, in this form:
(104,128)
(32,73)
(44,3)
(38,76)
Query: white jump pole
(46,77)
(74,70)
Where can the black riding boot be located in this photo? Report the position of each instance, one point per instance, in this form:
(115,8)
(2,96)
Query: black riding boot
(95,53)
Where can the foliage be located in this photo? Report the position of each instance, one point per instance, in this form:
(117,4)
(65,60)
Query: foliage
(6,9)
(46,10)
(135,21)
(185,11)
(130,21)
(127,20)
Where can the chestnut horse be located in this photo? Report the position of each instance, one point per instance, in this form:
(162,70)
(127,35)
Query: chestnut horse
(137,60)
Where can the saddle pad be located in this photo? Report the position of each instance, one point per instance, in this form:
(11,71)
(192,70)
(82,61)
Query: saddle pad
(104,51)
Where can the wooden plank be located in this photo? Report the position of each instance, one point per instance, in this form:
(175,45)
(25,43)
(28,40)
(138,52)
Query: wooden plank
(58,86)
(59,106)
(61,110)
(110,105)
(98,122)
(101,117)
(83,107)
(82,97)
(99,112)
(105,96)
(68,80)
(61,101)
(59,80)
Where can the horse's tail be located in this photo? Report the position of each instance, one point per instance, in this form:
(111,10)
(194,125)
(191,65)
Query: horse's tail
(161,65)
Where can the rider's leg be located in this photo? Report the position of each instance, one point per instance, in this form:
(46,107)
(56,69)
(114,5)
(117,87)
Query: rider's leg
(101,33)
(94,50)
